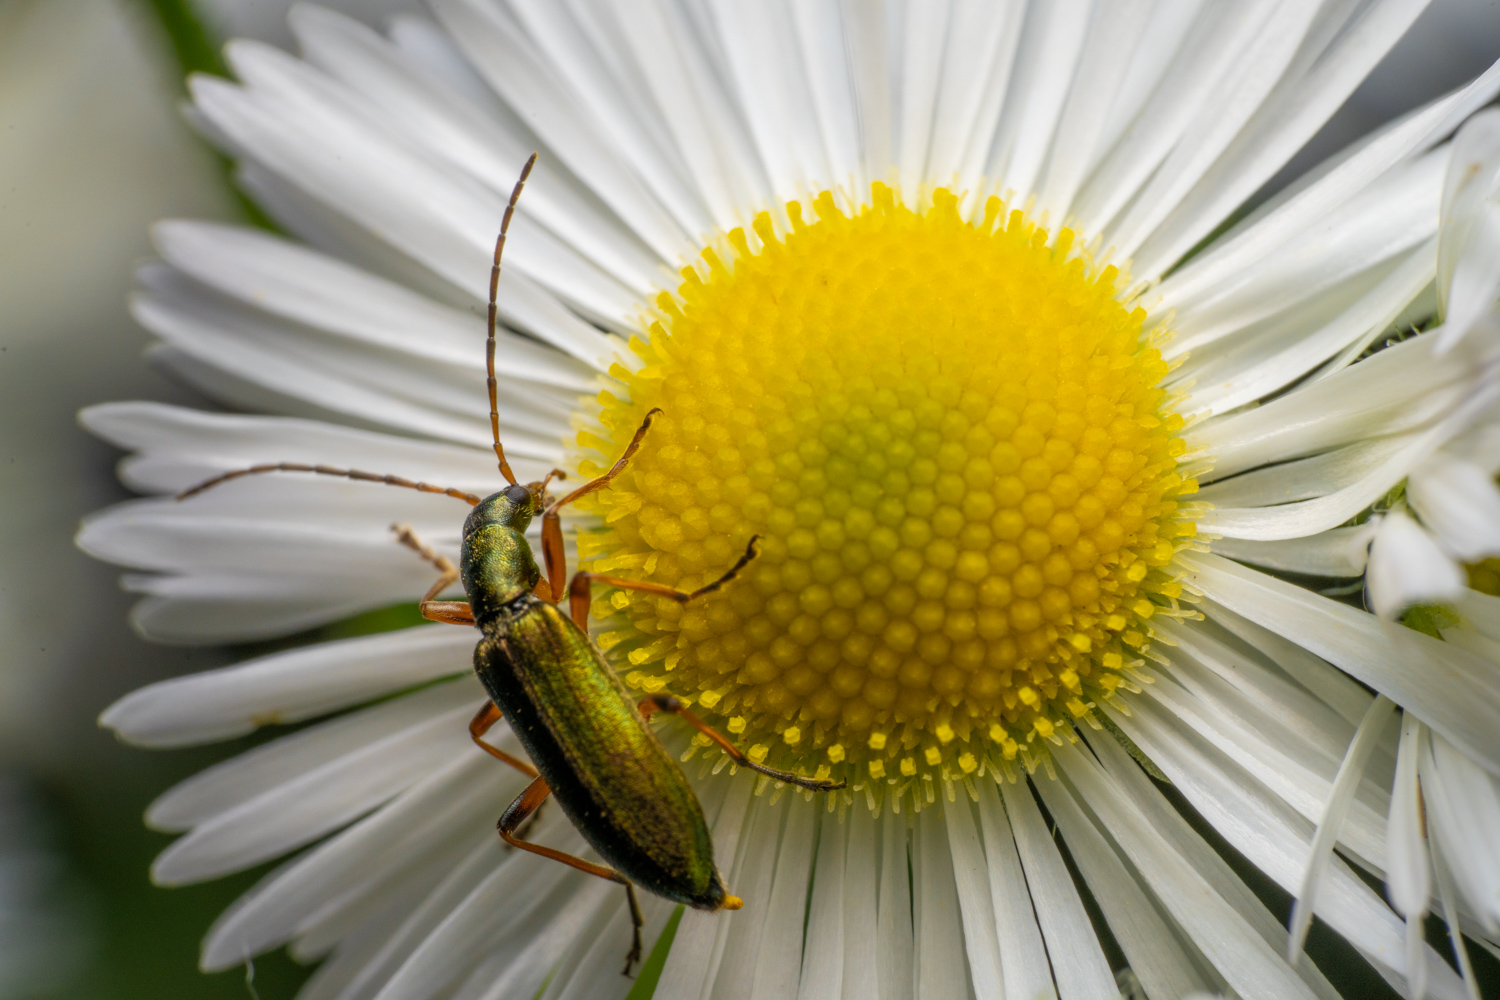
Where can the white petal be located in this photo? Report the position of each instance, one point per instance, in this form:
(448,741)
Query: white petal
(1338,552)
(1407,567)
(521,974)
(314,803)
(1166,967)
(1023,955)
(337,134)
(449,228)
(1300,205)
(324,292)
(180,447)
(940,967)
(1108,49)
(1408,880)
(381,958)
(694,959)
(589,104)
(1286,714)
(861,879)
(1317,82)
(766,70)
(1077,961)
(464,795)
(706,129)
(1169,823)
(373,384)
(589,966)
(1464,812)
(867,45)
(1332,686)
(1273,838)
(1481,613)
(1298,770)
(820,39)
(1191,80)
(754,883)
(1448,896)
(780,963)
(893,957)
(233,782)
(1459,503)
(1322,513)
(1399,389)
(971,874)
(1051,43)
(1279,363)
(445,122)
(1243,84)
(1339,798)
(1454,692)
(286,687)
(1303,478)
(1249,965)
(1466,270)
(504,912)
(823,954)
(982,42)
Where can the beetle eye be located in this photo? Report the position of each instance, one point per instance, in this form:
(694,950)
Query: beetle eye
(518,495)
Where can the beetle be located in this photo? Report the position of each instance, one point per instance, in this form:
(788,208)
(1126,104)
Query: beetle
(587,737)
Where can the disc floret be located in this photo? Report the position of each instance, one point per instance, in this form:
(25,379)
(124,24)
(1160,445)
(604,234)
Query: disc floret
(951,436)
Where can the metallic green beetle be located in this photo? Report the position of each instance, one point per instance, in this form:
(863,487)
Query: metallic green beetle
(587,736)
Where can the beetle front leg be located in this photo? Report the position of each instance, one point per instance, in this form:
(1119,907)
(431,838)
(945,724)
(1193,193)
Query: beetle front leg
(519,811)
(671,703)
(554,557)
(449,612)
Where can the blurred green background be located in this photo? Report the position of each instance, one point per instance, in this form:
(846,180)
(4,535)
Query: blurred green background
(92,150)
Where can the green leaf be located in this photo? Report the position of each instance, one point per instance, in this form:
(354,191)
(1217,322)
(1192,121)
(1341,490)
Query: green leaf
(645,983)
(196,49)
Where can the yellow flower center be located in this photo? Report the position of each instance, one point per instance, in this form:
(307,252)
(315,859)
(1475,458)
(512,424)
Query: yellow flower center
(952,439)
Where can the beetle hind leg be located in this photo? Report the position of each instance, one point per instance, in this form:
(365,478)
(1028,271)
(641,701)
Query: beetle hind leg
(637,921)
(670,703)
(522,809)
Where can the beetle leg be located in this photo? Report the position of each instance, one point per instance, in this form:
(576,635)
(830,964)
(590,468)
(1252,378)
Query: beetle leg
(637,921)
(580,591)
(553,554)
(481,723)
(528,802)
(554,557)
(670,703)
(451,612)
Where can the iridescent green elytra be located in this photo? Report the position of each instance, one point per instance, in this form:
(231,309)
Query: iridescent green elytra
(580,727)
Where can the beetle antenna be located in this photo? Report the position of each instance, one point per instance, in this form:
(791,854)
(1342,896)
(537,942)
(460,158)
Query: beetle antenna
(594,485)
(328,470)
(489,344)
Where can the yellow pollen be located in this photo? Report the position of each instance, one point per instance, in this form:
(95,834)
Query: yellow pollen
(951,437)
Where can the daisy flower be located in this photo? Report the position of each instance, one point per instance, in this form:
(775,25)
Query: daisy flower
(951,305)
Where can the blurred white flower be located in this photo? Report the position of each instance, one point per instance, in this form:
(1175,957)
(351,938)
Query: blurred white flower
(1453,492)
